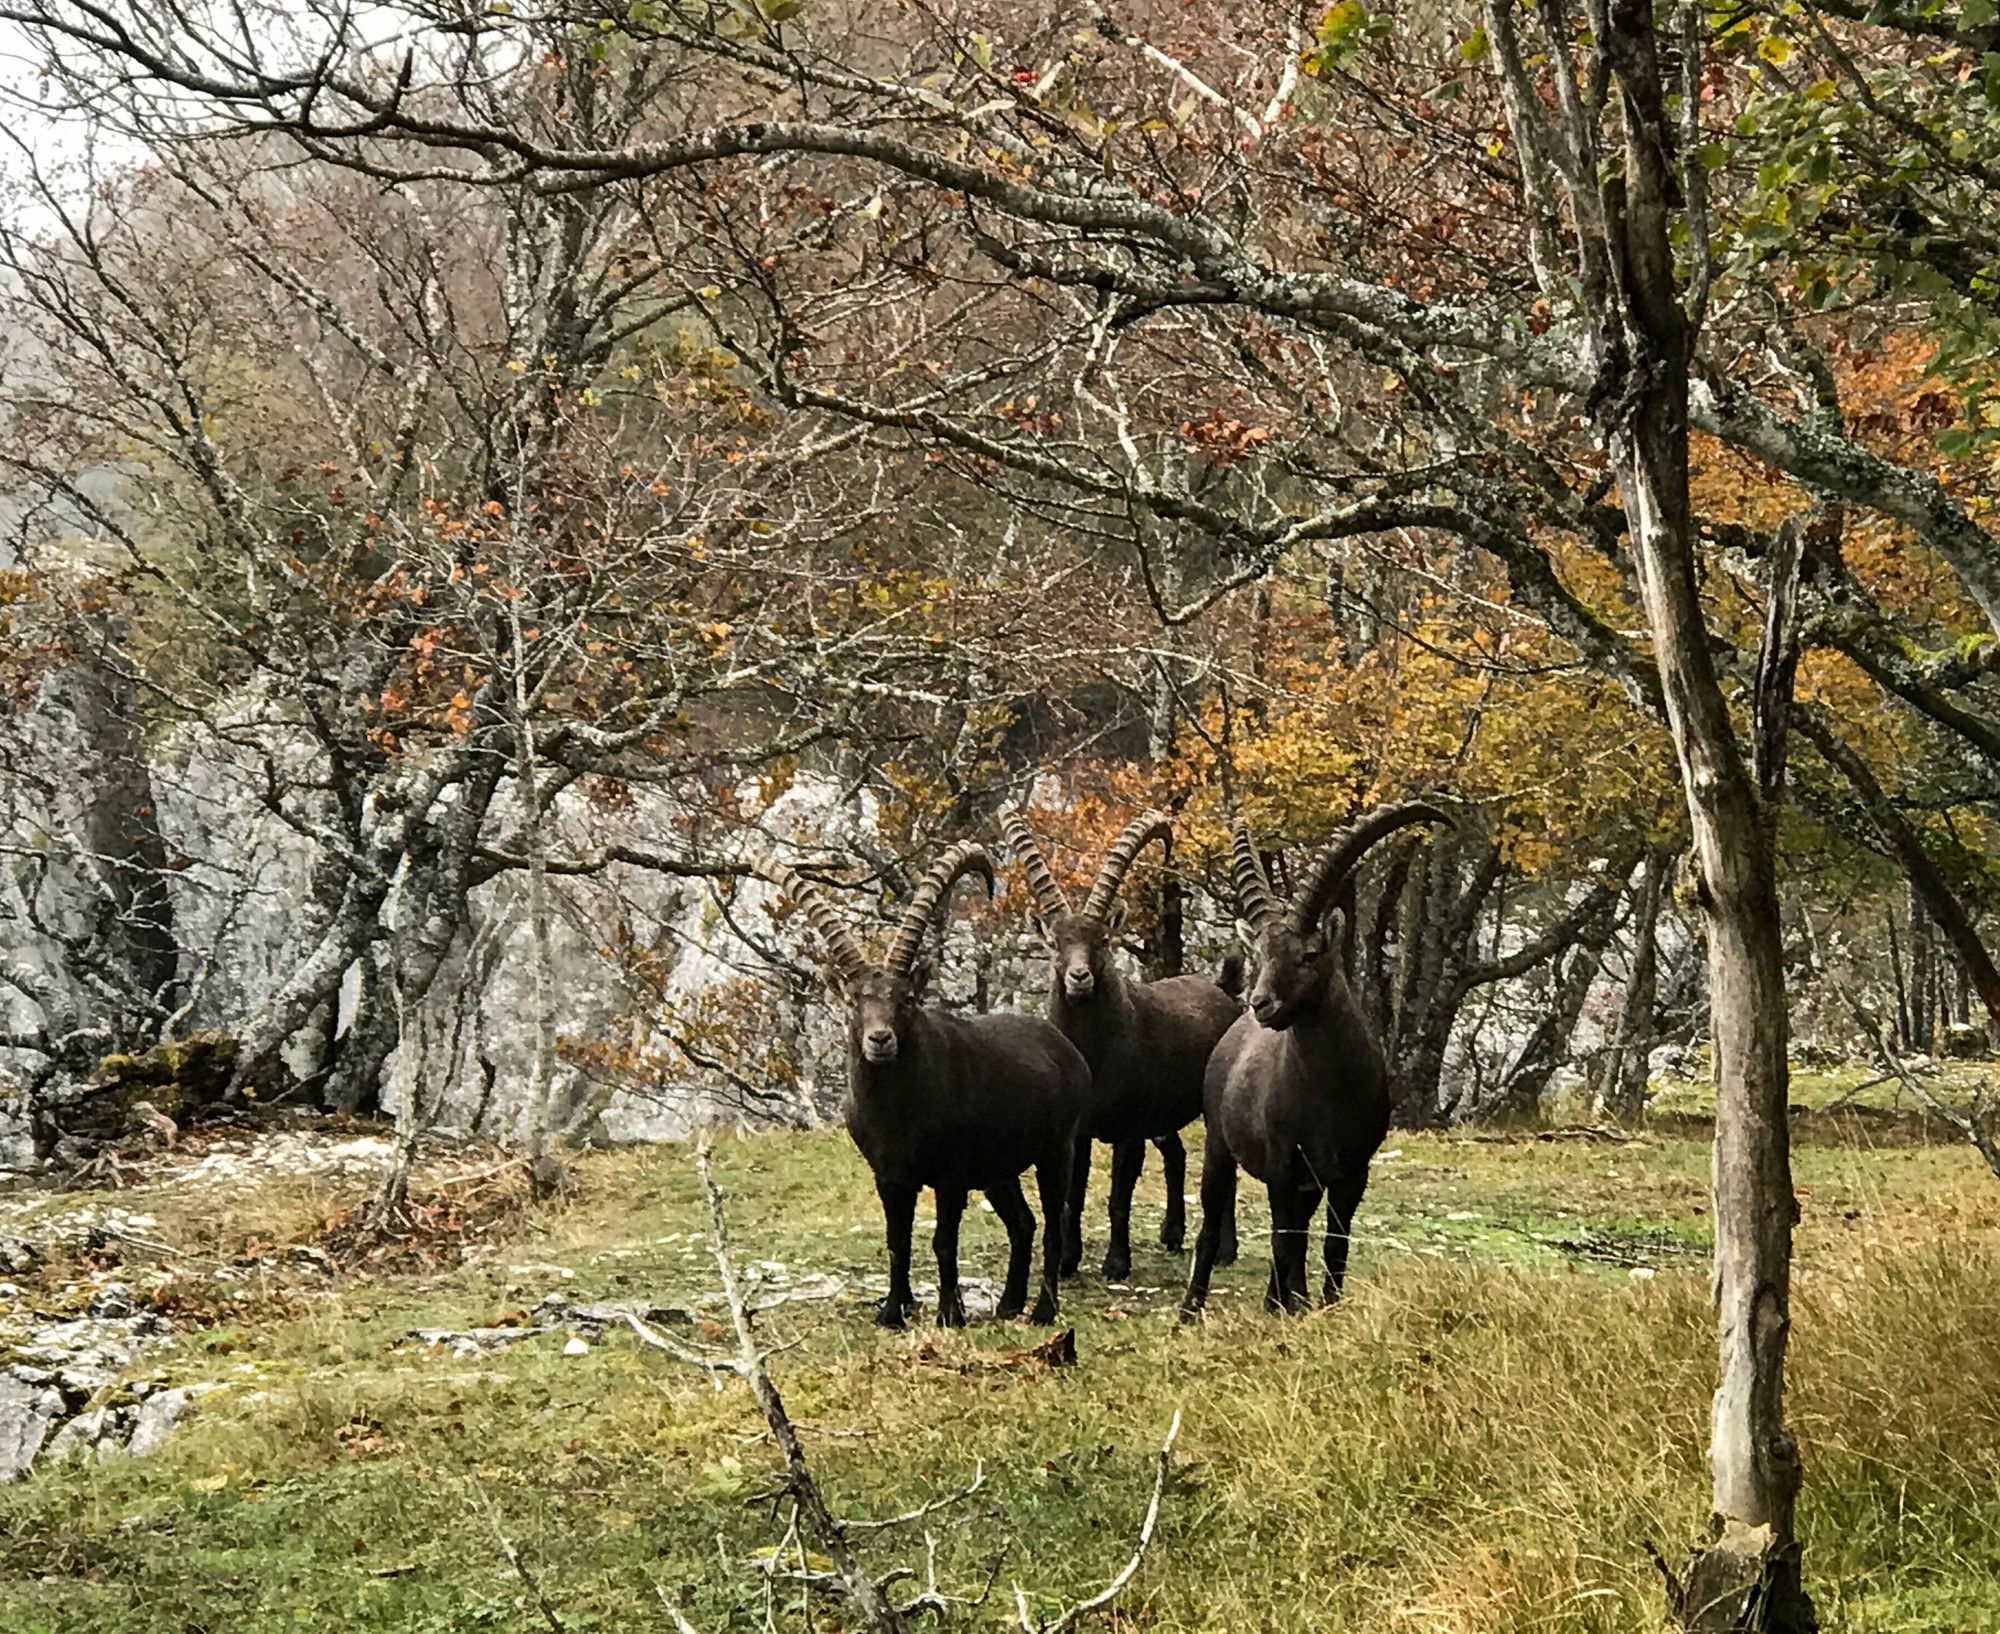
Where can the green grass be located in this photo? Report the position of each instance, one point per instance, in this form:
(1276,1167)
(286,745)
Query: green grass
(1484,1437)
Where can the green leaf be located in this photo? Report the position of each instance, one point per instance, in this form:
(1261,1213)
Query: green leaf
(1345,28)
(1474,47)
(1955,444)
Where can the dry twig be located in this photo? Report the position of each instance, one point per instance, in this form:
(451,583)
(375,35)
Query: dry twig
(1111,1591)
(1976,1123)
(528,1579)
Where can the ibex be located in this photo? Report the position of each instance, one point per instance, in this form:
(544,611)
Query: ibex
(1146,1043)
(955,1103)
(1298,1091)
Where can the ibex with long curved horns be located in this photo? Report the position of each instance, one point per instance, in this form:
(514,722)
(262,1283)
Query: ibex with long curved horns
(955,1103)
(1146,1042)
(1298,1091)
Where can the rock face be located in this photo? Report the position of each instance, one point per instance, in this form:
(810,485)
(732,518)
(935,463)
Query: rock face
(30,1407)
(473,1035)
(121,1430)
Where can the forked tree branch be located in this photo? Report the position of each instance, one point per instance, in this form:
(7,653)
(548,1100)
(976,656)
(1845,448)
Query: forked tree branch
(1111,1590)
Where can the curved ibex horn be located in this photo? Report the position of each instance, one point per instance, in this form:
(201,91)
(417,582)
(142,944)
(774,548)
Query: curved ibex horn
(1253,890)
(1050,902)
(821,915)
(962,859)
(1337,861)
(1139,833)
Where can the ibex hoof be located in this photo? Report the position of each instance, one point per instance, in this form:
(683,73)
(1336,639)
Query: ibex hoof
(1117,1267)
(951,1312)
(1044,1312)
(891,1312)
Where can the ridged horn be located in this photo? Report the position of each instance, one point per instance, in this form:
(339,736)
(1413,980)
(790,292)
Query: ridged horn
(821,914)
(962,859)
(1050,902)
(1337,861)
(1139,833)
(1253,890)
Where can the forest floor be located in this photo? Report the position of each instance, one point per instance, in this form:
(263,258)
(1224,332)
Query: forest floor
(1488,1435)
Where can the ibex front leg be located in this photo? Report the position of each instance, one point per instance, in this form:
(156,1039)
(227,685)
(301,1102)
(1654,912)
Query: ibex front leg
(1052,1184)
(1128,1157)
(950,1210)
(1218,1210)
(899,1212)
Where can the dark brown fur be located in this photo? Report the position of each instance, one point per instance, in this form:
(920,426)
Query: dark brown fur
(954,1103)
(1146,1042)
(1297,1092)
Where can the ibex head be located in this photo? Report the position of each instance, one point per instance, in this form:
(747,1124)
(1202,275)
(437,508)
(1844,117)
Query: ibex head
(1080,942)
(880,999)
(1298,948)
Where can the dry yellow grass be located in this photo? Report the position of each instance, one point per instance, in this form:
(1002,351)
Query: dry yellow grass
(1482,1440)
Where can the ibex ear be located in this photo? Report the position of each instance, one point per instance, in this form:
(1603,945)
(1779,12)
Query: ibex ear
(1114,918)
(1336,927)
(921,971)
(1246,933)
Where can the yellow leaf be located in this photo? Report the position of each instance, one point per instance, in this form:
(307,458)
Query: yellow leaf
(1774,48)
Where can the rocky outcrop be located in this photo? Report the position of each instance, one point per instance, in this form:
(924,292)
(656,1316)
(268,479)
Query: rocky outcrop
(64,1391)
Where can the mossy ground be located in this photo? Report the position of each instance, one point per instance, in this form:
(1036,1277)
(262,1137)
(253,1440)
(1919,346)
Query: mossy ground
(1506,1411)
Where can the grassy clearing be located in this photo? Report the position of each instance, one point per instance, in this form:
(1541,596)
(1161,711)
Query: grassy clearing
(1483,1438)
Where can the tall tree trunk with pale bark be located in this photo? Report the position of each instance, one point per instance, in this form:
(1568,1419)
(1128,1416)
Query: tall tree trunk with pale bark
(1643,330)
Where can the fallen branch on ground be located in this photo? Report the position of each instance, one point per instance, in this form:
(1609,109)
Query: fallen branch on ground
(528,1579)
(864,1595)
(1111,1591)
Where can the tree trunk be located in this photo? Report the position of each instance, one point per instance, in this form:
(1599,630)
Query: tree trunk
(1526,1082)
(1923,977)
(1754,1558)
(1748,1576)
(1167,951)
(1896,972)
(1623,1094)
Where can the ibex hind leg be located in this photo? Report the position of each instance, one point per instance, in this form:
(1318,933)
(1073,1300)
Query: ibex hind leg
(1052,1186)
(1173,1163)
(1019,1219)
